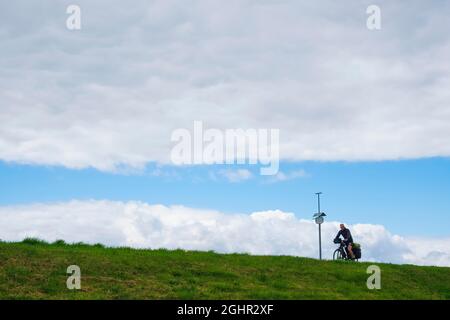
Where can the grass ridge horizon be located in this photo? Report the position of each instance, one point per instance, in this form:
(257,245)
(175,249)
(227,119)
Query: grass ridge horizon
(36,269)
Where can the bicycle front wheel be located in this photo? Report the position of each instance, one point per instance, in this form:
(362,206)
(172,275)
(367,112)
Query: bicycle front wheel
(337,255)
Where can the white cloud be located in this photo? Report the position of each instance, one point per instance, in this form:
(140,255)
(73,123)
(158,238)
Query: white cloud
(110,94)
(286,176)
(237,175)
(138,224)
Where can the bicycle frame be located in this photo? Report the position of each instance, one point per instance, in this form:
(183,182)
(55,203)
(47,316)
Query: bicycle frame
(342,251)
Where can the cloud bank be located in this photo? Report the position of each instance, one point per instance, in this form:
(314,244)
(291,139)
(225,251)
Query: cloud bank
(141,225)
(110,94)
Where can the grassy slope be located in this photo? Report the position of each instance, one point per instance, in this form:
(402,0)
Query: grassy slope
(38,271)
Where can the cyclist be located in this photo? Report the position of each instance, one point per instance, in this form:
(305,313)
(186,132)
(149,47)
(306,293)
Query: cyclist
(347,239)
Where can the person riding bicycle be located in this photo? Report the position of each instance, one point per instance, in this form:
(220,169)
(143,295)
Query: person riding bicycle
(347,239)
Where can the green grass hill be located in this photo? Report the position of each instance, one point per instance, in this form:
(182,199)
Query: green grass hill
(33,269)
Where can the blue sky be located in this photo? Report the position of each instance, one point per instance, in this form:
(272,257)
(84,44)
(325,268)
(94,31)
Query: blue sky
(409,197)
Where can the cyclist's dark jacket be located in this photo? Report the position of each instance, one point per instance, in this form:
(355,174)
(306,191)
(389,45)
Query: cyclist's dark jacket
(346,234)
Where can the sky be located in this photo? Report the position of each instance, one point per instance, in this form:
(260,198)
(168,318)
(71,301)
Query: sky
(408,197)
(87,117)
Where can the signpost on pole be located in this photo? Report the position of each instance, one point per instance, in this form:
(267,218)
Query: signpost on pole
(318,217)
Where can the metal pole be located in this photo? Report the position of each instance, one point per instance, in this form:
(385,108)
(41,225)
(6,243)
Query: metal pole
(320,228)
(318,200)
(320,242)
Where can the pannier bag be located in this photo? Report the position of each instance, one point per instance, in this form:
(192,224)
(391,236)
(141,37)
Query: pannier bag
(357,250)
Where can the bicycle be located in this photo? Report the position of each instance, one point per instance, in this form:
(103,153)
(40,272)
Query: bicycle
(341,253)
